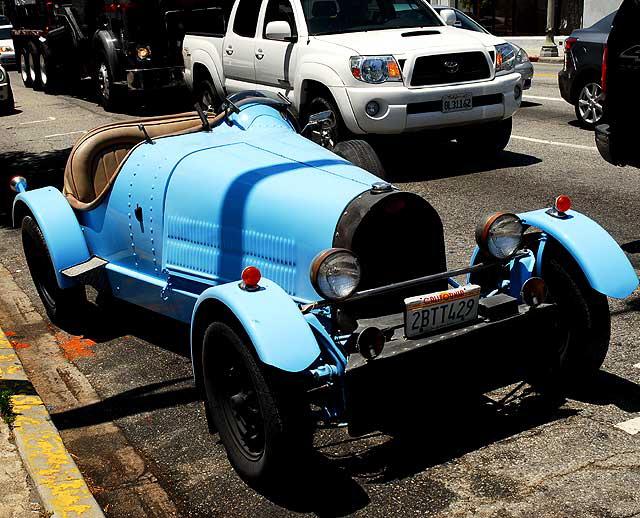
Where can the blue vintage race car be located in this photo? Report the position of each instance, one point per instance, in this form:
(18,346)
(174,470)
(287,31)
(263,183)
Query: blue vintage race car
(315,292)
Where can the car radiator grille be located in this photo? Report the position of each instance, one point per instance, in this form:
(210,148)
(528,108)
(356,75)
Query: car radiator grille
(450,68)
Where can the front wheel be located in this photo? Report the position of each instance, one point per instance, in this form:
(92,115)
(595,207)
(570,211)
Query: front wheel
(206,96)
(334,131)
(60,304)
(361,154)
(108,95)
(487,139)
(260,425)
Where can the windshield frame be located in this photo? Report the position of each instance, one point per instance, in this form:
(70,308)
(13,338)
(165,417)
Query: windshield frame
(437,21)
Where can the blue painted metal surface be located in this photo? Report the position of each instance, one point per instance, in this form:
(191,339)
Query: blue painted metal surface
(601,259)
(278,330)
(59,226)
(520,271)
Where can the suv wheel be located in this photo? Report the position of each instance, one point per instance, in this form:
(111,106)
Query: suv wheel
(589,106)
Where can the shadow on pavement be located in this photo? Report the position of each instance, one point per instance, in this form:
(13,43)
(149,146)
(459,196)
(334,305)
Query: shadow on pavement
(609,389)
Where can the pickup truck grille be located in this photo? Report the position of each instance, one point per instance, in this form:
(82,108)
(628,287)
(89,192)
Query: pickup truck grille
(450,68)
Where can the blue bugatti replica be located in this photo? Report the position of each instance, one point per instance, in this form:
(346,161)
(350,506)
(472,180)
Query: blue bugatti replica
(315,292)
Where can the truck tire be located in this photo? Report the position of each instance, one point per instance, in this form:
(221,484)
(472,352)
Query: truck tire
(46,71)
(206,95)
(23,66)
(34,66)
(263,427)
(321,103)
(360,153)
(487,140)
(108,95)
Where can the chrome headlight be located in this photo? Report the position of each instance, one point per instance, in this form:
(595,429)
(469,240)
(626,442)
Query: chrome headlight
(500,235)
(375,69)
(505,58)
(335,273)
(6,49)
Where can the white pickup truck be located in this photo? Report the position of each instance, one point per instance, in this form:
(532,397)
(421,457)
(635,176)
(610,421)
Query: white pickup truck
(382,66)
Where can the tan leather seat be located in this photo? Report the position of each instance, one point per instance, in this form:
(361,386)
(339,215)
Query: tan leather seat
(95,160)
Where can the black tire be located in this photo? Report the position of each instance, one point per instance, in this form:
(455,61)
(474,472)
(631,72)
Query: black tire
(206,95)
(361,154)
(60,304)
(585,329)
(34,66)
(46,71)
(23,66)
(321,103)
(263,430)
(589,104)
(109,96)
(488,139)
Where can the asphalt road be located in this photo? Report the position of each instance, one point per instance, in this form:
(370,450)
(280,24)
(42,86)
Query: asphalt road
(124,401)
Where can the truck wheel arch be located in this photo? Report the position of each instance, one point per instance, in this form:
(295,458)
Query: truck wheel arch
(204,68)
(103,42)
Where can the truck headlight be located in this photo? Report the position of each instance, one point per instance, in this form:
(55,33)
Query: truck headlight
(143,53)
(505,58)
(375,69)
(335,273)
(521,55)
(500,235)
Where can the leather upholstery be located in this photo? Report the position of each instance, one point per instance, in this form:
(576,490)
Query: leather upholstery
(97,157)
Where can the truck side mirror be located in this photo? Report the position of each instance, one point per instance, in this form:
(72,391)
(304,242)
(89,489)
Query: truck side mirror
(449,17)
(278,30)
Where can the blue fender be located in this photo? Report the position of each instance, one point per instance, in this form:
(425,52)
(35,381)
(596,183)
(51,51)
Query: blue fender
(59,226)
(599,256)
(277,328)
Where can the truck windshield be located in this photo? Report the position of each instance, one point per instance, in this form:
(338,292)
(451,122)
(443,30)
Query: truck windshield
(340,16)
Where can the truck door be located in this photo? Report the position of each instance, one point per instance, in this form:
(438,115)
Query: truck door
(238,53)
(274,59)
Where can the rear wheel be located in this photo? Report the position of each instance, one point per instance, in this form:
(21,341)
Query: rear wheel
(589,105)
(361,154)
(23,66)
(60,304)
(206,96)
(260,425)
(487,139)
(47,73)
(34,66)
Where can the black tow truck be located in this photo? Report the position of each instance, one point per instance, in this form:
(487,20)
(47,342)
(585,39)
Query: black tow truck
(126,46)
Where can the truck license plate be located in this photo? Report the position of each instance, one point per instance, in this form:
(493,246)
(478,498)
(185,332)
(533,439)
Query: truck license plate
(435,311)
(457,103)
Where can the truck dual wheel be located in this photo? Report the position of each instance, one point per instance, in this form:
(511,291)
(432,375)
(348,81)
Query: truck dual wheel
(34,66)
(487,139)
(261,427)
(361,154)
(60,304)
(23,66)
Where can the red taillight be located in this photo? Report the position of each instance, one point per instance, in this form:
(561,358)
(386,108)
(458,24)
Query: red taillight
(568,43)
(563,203)
(251,277)
(605,59)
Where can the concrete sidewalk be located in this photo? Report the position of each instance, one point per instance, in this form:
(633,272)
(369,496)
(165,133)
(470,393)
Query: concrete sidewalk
(33,446)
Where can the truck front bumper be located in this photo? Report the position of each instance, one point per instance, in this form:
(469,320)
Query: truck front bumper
(155,78)
(407,378)
(405,109)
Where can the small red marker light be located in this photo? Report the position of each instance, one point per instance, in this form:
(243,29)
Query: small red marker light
(251,277)
(563,203)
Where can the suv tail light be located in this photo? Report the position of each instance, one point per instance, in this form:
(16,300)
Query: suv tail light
(605,59)
(569,42)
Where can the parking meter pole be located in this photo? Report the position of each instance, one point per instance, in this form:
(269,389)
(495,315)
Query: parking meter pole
(549,47)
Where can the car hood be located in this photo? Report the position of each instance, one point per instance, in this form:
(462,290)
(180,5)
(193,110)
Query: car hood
(6,43)
(408,41)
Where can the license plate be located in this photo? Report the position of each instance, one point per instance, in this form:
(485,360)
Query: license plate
(457,103)
(439,310)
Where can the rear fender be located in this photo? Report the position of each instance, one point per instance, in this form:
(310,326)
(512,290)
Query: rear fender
(603,262)
(273,322)
(59,226)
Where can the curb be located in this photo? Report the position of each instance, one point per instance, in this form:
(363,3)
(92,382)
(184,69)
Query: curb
(58,481)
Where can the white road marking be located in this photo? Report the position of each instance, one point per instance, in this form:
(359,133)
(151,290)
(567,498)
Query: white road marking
(48,119)
(552,143)
(539,98)
(64,134)
(631,427)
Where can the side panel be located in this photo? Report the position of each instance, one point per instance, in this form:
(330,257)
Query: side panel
(59,226)
(603,262)
(278,330)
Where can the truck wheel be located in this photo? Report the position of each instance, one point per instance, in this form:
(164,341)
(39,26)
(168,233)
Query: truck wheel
(487,139)
(108,95)
(34,66)
(262,429)
(361,154)
(324,103)
(584,332)
(60,304)
(23,66)
(589,104)
(206,95)
(47,73)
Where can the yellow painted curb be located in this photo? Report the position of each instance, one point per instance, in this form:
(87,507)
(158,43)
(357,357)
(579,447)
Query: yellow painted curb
(57,479)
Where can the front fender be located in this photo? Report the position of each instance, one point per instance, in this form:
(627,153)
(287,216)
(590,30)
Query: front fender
(279,332)
(59,226)
(601,259)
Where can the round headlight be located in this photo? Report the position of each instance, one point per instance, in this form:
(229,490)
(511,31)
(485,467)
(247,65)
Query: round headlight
(500,235)
(335,273)
(143,53)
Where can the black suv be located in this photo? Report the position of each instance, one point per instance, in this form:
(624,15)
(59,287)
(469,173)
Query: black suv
(618,140)
(580,79)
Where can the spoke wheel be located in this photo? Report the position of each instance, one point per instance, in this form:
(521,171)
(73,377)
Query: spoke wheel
(589,109)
